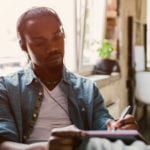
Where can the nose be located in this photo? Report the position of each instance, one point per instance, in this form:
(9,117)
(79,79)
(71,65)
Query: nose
(50,48)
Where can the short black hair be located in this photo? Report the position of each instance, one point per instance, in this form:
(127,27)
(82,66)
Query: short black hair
(31,13)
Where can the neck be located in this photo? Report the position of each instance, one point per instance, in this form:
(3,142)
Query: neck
(49,76)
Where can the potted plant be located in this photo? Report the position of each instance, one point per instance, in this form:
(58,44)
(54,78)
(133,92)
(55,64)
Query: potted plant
(106,49)
(105,64)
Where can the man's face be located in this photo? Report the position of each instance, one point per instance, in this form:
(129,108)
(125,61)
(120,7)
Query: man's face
(44,39)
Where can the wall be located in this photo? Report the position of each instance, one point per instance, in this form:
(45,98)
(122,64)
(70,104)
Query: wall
(113,88)
(112,94)
(116,91)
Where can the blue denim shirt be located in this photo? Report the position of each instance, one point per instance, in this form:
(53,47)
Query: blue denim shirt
(21,95)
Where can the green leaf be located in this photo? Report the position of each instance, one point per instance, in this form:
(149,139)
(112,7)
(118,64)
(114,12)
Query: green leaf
(106,49)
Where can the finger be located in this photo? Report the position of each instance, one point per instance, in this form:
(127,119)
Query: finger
(65,141)
(66,133)
(70,128)
(129,127)
(62,141)
(110,124)
(69,131)
(129,119)
(57,147)
(128,124)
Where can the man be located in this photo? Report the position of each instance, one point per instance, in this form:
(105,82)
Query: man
(45,96)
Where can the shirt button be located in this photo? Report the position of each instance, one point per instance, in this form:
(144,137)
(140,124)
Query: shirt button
(34,115)
(83,109)
(36,80)
(25,137)
(40,93)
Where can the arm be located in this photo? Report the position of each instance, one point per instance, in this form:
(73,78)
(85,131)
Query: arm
(100,112)
(8,127)
(8,145)
(125,121)
(65,138)
(104,120)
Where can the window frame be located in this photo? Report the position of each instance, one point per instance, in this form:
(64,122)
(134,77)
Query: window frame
(88,68)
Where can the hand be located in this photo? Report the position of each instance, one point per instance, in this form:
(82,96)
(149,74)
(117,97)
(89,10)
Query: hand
(127,123)
(64,138)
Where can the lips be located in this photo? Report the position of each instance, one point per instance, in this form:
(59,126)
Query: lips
(54,58)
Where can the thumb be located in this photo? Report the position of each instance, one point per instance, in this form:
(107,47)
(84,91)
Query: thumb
(110,123)
(69,131)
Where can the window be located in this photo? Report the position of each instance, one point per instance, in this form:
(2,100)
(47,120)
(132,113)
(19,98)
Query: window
(83,21)
(12,57)
(90,28)
(148,34)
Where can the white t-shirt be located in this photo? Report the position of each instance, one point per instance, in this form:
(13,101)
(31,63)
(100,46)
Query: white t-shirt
(51,115)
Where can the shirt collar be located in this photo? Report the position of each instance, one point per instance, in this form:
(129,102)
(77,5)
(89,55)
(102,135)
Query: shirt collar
(65,76)
(30,75)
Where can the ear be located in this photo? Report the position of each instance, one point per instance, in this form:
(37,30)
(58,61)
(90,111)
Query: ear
(22,45)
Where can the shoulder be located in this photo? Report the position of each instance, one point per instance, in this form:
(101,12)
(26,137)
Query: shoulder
(14,78)
(80,81)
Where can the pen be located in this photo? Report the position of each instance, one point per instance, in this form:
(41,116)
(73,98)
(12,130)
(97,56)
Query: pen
(126,111)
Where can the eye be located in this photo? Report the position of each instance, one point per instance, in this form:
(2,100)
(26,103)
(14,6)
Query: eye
(58,36)
(38,43)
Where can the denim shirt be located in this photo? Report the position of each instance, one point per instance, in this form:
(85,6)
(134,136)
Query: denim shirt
(21,95)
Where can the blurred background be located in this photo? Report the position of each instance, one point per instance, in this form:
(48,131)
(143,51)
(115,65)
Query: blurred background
(123,76)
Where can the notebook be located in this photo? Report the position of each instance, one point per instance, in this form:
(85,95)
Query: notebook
(127,136)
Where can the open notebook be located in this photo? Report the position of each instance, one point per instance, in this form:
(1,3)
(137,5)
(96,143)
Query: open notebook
(127,136)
